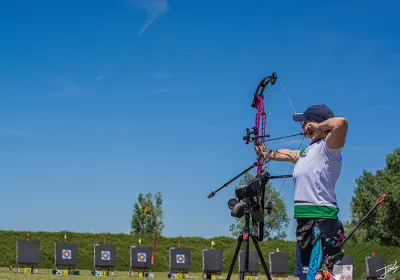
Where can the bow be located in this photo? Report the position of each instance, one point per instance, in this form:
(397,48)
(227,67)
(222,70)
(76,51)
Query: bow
(260,134)
(258,103)
(259,137)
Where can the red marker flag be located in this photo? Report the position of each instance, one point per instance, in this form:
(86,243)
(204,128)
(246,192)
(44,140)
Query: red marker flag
(104,240)
(154,247)
(179,244)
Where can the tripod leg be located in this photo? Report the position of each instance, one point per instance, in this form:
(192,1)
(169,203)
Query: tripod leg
(261,257)
(245,257)
(240,239)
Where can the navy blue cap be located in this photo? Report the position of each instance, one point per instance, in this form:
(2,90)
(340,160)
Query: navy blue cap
(314,113)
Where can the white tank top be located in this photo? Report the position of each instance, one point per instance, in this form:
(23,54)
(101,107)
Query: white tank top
(314,176)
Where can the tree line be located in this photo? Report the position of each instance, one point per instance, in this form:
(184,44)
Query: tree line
(381,227)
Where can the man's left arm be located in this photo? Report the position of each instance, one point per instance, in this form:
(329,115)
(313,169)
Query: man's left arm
(337,128)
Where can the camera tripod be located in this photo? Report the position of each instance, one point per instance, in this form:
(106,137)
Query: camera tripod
(244,239)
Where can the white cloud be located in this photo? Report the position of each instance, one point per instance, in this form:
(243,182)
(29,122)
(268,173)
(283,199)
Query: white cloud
(153,8)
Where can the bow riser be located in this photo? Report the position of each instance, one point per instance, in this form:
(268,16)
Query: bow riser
(257,141)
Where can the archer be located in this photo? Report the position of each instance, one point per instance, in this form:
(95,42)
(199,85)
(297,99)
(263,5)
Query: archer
(317,169)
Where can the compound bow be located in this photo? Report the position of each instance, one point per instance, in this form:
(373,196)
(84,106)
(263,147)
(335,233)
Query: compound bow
(259,136)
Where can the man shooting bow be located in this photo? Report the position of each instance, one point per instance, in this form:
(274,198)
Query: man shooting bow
(317,168)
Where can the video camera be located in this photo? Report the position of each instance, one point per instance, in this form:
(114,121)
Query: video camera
(250,198)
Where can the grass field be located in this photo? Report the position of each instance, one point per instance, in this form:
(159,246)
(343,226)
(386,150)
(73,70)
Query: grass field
(85,275)
(85,241)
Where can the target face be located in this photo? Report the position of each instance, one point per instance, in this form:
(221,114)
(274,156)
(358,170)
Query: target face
(105,255)
(180,258)
(66,254)
(141,257)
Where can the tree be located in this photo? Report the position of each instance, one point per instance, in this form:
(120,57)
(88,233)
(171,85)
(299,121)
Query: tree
(276,223)
(147,216)
(381,226)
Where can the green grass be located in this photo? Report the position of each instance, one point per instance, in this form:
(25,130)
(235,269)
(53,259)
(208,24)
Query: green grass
(85,274)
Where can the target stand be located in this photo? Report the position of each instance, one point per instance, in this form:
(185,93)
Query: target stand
(279,265)
(254,265)
(179,263)
(65,259)
(213,264)
(105,259)
(28,256)
(140,262)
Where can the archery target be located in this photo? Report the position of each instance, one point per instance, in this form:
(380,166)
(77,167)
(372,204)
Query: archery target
(141,257)
(28,252)
(279,262)
(213,260)
(105,255)
(254,264)
(375,266)
(66,254)
(180,258)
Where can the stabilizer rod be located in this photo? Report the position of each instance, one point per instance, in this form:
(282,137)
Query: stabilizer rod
(233,179)
(267,176)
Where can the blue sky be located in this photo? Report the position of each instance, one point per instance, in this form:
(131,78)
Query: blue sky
(101,100)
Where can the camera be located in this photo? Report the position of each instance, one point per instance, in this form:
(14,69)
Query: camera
(250,198)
